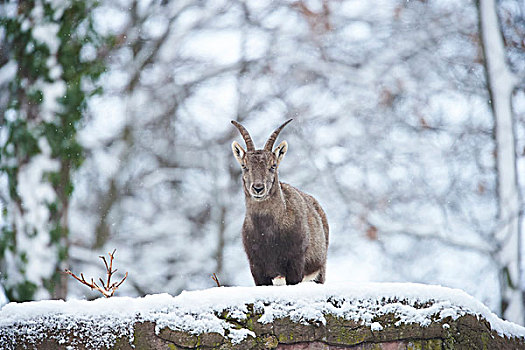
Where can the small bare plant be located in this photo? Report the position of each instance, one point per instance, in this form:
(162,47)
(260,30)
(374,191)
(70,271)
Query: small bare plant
(106,288)
(215,279)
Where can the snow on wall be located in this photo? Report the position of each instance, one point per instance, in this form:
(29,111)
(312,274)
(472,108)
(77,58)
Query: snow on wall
(197,312)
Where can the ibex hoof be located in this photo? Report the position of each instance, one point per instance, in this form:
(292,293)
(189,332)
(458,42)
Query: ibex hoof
(279,281)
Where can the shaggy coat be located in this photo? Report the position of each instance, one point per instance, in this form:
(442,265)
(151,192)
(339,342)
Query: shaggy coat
(285,231)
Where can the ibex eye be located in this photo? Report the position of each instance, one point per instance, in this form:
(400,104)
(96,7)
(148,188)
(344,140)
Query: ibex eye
(273,167)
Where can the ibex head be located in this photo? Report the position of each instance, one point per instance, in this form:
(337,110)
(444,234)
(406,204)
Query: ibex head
(259,167)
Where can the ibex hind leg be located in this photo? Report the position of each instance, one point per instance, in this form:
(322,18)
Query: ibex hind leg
(317,276)
(321,276)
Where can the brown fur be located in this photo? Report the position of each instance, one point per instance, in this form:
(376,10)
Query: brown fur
(285,231)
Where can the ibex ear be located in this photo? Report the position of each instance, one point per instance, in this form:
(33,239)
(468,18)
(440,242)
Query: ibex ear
(280,151)
(238,151)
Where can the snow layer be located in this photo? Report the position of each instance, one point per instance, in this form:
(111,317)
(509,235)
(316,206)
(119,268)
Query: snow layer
(199,311)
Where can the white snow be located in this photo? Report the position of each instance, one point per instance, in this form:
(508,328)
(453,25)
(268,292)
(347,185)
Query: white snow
(3,297)
(35,193)
(52,92)
(198,311)
(376,326)
(33,220)
(8,72)
(238,335)
(46,33)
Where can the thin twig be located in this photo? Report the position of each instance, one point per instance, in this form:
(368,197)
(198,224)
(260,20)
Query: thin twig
(216,279)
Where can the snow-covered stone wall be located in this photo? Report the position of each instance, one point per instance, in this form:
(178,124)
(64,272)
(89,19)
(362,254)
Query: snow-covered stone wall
(306,316)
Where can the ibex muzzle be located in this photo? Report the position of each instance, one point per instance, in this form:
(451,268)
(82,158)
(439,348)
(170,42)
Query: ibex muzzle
(285,231)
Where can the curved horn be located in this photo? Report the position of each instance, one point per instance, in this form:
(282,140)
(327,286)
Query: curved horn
(271,140)
(245,135)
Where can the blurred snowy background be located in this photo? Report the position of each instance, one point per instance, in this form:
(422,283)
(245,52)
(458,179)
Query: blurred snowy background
(393,133)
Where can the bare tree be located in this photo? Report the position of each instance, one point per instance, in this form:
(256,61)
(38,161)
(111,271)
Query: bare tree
(501,84)
(394,94)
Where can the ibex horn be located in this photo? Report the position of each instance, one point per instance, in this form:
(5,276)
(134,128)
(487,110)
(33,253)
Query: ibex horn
(245,135)
(271,140)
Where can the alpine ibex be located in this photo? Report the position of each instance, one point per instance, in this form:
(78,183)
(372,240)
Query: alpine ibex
(285,231)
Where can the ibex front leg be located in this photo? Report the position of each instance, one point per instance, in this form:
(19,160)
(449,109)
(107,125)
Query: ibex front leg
(259,276)
(295,269)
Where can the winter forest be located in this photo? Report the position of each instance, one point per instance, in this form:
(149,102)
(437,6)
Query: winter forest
(115,133)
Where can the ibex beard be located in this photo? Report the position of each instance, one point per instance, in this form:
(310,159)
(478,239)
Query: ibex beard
(285,231)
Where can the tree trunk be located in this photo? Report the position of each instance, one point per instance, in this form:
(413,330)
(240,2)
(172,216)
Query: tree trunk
(501,83)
